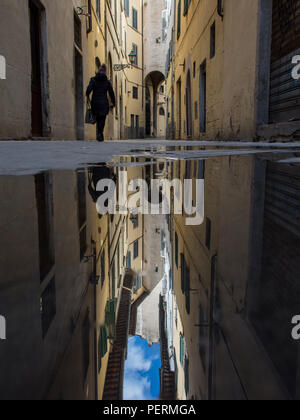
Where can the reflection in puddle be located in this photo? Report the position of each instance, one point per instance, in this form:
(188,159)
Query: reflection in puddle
(141,306)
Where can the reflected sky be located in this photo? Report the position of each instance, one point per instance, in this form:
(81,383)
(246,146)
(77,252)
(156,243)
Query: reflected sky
(141,379)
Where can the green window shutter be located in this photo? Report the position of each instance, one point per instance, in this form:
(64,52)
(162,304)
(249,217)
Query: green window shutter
(179,19)
(186,7)
(110,319)
(181,349)
(102,346)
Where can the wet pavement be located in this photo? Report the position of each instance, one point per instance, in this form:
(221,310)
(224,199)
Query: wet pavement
(148,301)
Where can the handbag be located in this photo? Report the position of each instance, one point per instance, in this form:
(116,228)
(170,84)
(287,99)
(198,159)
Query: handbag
(89,116)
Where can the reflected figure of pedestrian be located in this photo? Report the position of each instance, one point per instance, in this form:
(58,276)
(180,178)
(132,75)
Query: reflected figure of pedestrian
(100,86)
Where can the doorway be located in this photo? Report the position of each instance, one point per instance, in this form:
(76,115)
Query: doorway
(78,68)
(36,74)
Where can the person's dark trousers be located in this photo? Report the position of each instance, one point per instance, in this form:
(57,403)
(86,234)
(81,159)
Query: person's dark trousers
(100,127)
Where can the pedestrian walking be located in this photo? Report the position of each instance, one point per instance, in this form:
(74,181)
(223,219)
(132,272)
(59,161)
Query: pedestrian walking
(100,86)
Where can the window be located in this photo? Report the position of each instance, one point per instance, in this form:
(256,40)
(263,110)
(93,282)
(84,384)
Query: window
(128,260)
(135,221)
(98,9)
(186,7)
(48,306)
(196,110)
(85,336)
(136,250)
(203,97)
(181,338)
(135,92)
(90,21)
(134,18)
(126,7)
(202,336)
(110,319)
(135,51)
(213,40)
(194,69)
(201,169)
(185,283)
(161,111)
(208,233)
(102,267)
(179,19)
(102,346)
(182,272)
(44,203)
(81,192)
(186,376)
(176,249)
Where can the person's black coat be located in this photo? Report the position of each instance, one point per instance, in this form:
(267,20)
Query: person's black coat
(101,86)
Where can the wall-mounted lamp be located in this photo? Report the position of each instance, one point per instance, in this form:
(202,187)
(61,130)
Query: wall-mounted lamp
(132,58)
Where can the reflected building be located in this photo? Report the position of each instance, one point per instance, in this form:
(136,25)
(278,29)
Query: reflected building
(218,298)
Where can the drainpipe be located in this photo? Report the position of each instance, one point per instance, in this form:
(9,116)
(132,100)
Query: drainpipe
(220,9)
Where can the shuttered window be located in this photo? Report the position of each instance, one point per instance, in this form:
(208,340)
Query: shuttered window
(179,19)
(284,90)
(181,349)
(102,346)
(110,318)
(126,7)
(134,18)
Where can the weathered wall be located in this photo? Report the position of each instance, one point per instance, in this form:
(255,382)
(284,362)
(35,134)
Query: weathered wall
(15,98)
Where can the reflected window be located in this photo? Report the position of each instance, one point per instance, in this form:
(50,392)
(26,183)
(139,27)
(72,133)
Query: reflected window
(48,306)
(128,260)
(102,267)
(44,203)
(208,233)
(181,343)
(86,344)
(176,250)
(102,346)
(136,250)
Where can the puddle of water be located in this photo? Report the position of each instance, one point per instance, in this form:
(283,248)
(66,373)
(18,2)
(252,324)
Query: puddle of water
(148,306)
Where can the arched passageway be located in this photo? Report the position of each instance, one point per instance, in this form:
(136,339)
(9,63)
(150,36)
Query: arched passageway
(153,81)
